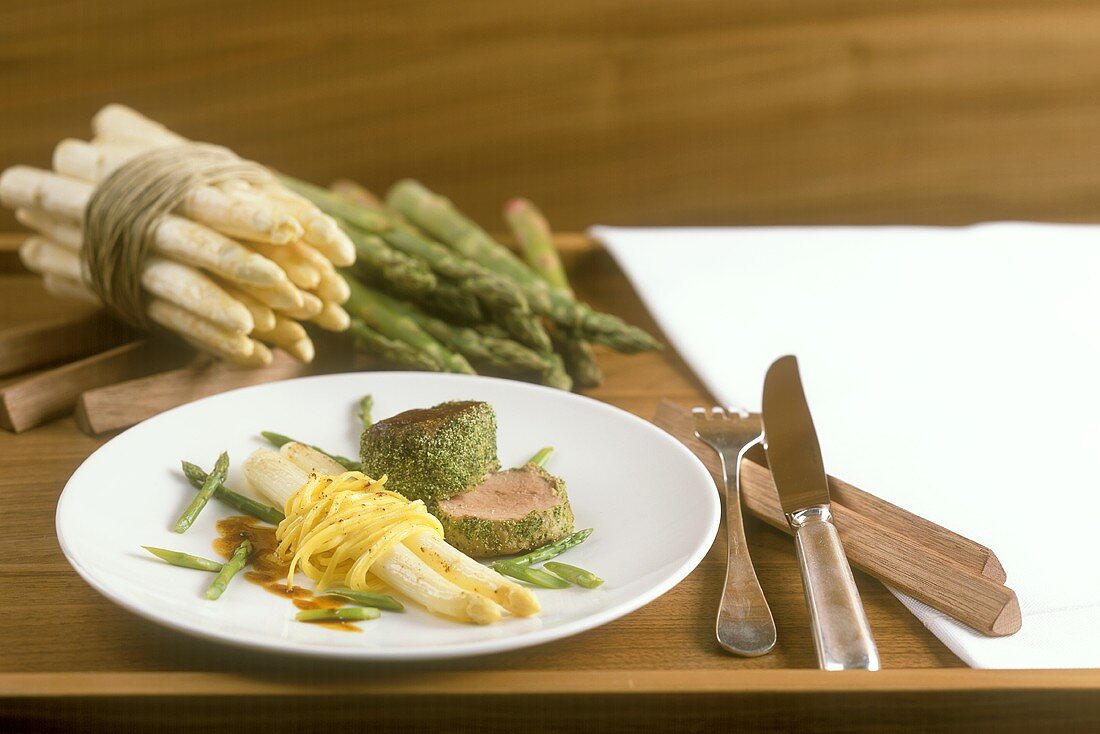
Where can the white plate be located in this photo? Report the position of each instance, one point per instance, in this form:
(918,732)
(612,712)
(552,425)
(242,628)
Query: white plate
(652,503)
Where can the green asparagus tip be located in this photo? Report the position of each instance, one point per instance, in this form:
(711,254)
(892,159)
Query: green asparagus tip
(365,407)
(574,574)
(542,456)
(184,560)
(276,439)
(367,599)
(343,614)
(533,576)
(213,480)
(552,550)
(197,477)
(230,569)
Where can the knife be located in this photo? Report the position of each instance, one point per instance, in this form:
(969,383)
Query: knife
(842,635)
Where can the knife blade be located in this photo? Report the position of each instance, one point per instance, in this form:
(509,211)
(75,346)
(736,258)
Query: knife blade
(841,633)
(794,453)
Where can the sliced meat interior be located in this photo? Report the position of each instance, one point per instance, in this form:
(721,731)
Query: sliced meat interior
(508,512)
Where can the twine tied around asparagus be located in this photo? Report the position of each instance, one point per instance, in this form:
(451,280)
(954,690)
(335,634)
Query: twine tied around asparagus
(126,207)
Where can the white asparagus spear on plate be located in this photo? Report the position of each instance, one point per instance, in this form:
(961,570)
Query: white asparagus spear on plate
(278,476)
(449,562)
(273,476)
(468,574)
(309,459)
(403,570)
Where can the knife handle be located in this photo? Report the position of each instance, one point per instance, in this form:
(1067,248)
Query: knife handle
(842,635)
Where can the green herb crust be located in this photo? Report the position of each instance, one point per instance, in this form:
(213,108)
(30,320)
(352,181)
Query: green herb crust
(434,453)
(482,537)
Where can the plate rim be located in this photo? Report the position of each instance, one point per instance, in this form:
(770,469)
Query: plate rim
(470,649)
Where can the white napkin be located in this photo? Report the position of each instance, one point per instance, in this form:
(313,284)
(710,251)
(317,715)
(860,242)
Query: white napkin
(952,371)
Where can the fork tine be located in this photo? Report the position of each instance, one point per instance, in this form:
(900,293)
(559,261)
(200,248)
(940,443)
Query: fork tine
(719,412)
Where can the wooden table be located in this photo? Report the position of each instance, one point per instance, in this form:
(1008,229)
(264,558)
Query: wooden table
(72,658)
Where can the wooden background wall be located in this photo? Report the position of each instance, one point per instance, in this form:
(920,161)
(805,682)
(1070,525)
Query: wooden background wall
(617,111)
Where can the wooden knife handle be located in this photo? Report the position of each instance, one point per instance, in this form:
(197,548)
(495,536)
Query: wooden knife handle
(908,559)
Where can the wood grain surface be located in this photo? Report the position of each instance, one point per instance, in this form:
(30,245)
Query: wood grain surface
(73,659)
(54,392)
(612,111)
(113,407)
(75,334)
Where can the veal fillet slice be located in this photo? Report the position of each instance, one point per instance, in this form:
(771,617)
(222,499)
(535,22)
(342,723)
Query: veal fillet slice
(508,512)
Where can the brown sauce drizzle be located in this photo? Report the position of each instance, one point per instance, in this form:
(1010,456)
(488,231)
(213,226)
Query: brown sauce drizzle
(267,571)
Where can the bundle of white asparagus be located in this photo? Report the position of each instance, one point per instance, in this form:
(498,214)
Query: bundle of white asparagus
(236,267)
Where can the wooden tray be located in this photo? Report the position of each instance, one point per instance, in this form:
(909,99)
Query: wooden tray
(72,658)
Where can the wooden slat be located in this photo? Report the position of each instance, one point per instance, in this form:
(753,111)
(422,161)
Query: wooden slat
(619,702)
(112,407)
(52,393)
(33,345)
(523,683)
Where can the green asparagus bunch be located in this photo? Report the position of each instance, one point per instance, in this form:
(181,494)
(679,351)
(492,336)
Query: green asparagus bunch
(431,290)
(392,350)
(491,351)
(532,232)
(398,327)
(438,216)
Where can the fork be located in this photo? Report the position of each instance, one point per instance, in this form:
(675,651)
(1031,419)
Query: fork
(745,625)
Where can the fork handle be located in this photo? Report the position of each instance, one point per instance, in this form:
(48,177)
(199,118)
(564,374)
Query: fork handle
(745,625)
(841,632)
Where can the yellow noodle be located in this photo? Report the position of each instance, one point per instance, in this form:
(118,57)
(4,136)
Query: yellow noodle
(336,527)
